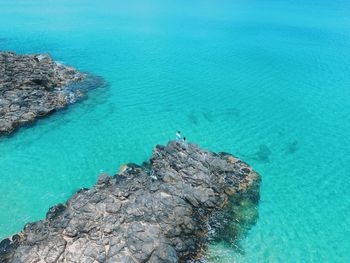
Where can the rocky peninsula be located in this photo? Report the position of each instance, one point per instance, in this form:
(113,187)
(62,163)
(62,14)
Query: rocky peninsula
(165,210)
(32,86)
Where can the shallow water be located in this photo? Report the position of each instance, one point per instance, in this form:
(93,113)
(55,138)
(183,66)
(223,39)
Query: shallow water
(266,80)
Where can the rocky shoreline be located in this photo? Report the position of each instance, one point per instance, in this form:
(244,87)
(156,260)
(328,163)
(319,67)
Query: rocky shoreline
(165,210)
(32,86)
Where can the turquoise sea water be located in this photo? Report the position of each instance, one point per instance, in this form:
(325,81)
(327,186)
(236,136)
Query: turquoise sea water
(266,80)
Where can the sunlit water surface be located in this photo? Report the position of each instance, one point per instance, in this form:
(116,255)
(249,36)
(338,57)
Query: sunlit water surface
(266,80)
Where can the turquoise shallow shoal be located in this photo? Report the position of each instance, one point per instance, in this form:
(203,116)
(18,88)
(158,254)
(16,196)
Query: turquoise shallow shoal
(266,80)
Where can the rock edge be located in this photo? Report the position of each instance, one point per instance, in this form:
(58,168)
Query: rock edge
(157,212)
(32,86)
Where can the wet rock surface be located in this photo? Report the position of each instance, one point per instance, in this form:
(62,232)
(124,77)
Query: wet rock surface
(165,210)
(32,86)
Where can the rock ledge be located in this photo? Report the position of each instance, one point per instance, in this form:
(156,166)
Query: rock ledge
(32,86)
(165,210)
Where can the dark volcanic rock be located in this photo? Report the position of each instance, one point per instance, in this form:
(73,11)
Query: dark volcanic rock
(32,86)
(163,211)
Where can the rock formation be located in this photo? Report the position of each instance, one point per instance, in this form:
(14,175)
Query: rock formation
(165,210)
(32,86)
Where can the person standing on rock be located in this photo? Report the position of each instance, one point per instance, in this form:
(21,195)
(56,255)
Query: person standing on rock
(184,140)
(178,136)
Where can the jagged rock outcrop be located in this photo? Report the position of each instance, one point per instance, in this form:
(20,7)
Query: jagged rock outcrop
(33,86)
(165,210)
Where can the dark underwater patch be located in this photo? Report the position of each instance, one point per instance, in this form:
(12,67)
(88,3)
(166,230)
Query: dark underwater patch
(263,153)
(232,113)
(223,114)
(168,108)
(233,223)
(192,117)
(208,115)
(292,147)
(281,131)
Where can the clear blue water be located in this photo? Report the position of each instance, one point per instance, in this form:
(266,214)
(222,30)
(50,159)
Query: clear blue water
(247,77)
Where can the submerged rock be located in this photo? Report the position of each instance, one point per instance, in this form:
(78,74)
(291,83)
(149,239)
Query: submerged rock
(33,86)
(163,211)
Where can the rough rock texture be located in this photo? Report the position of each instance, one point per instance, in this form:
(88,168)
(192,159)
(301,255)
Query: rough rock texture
(163,211)
(32,86)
